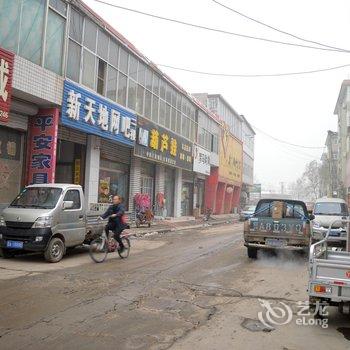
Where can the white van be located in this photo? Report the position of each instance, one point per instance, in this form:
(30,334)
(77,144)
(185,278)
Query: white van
(327,210)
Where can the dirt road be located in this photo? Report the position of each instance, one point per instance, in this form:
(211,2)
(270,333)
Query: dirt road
(185,290)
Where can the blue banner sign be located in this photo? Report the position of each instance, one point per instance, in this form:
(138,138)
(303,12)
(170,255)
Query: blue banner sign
(93,114)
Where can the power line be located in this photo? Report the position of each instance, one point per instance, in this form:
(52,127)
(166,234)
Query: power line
(285,142)
(217,30)
(277,29)
(254,75)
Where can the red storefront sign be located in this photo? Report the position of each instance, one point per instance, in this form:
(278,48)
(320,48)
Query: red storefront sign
(6,72)
(42,146)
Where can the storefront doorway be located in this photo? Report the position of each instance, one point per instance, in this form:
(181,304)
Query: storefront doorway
(187,199)
(147,179)
(11,163)
(70,164)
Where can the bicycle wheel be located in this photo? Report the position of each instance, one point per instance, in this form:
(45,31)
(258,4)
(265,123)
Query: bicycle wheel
(125,253)
(98,250)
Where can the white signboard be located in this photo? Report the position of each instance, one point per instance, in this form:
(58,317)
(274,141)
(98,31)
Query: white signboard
(201,160)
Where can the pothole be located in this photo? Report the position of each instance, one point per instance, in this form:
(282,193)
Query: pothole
(345,331)
(255,326)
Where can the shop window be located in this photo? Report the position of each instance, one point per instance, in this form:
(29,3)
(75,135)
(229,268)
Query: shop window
(88,69)
(31,31)
(74,196)
(122,85)
(54,42)
(102,45)
(155,108)
(155,84)
(132,94)
(140,99)
(112,83)
(10,13)
(76,26)
(73,61)
(133,67)
(90,33)
(148,104)
(101,77)
(123,61)
(113,53)
(114,180)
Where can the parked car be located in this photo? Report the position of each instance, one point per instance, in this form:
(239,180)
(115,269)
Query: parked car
(47,218)
(278,224)
(326,211)
(247,212)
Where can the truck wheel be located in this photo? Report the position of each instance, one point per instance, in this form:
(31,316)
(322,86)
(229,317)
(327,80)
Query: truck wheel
(6,253)
(54,250)
(252,252)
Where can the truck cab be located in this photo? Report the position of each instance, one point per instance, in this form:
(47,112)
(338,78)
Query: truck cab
(46,218)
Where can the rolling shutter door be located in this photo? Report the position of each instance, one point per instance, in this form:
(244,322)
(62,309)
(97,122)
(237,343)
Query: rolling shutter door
(114,152)
(16,121)
(71,135)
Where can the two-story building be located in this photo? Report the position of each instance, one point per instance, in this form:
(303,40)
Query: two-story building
(88,108)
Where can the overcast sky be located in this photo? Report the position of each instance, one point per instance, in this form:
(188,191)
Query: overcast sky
(298,109)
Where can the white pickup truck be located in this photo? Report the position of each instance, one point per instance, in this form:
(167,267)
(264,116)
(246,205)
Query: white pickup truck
(329,272)
(47,218)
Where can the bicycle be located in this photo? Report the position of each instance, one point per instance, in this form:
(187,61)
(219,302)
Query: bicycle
(101,246)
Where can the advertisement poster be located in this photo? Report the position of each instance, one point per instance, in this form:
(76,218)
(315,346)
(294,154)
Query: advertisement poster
(201,160)
(42,146)
(104,189)
(230,158)
(6,72)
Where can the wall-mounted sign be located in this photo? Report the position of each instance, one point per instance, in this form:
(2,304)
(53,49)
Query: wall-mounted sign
(230,157)
(156,143)
(201,160)
(6,72)
(93,114)
(42,146)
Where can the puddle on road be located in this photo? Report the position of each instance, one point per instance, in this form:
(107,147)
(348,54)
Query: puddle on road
(255,326)
(345,331)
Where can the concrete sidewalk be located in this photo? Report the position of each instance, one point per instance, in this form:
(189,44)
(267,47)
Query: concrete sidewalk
(181,224)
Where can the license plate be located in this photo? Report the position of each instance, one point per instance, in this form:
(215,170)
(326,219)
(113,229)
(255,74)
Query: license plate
(275,242)
(14,244)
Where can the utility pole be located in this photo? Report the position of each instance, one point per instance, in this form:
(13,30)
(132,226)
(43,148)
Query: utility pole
(282,187)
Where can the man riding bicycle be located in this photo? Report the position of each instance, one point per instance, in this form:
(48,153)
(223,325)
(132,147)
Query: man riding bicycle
(115,224)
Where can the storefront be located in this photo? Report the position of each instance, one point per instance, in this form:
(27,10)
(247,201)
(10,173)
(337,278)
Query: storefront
(12,135)
(147,179)
(201,166)
(70,159)
(187,193)
(174,153)
(108,157)
(223,186)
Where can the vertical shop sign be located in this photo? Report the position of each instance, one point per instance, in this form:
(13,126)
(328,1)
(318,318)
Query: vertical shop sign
(42,147)
(6,72)
(77,171)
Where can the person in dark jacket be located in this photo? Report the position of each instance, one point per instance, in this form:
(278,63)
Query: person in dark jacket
(114,214)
